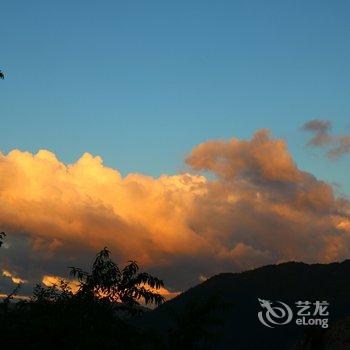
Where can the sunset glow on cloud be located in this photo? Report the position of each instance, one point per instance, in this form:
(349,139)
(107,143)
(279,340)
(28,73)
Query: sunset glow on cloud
(15,279)
(255,207)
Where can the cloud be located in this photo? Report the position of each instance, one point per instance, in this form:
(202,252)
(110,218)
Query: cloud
(320,129)
(258,160)
(342,146)
(256,207)
(337,145)
(50,281)
(14,279)
(16,297)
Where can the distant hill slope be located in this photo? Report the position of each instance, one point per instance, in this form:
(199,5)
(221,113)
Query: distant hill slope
(337,337)
(287,282)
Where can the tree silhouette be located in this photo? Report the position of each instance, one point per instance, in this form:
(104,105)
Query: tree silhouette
(127,286)
(2,235)
(7,300)
(88,318)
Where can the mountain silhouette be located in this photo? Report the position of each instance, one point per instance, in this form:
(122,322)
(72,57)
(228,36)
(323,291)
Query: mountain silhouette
(337,337)
(287,282)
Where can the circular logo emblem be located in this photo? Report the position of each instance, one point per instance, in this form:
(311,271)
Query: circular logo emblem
(274,313)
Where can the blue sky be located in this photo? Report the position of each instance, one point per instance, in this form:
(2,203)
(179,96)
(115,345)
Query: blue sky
(142,82)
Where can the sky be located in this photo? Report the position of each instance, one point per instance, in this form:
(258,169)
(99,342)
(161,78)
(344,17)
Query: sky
(142,84)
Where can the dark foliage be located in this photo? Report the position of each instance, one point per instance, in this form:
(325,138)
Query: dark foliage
(337,337)
(2,235)
(95,316)
(127,286)
(103,313)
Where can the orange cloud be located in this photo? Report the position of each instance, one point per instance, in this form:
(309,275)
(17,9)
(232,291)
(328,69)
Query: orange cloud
(16,297)
(261,157)
(258,208)
(50,281)
(15,279)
